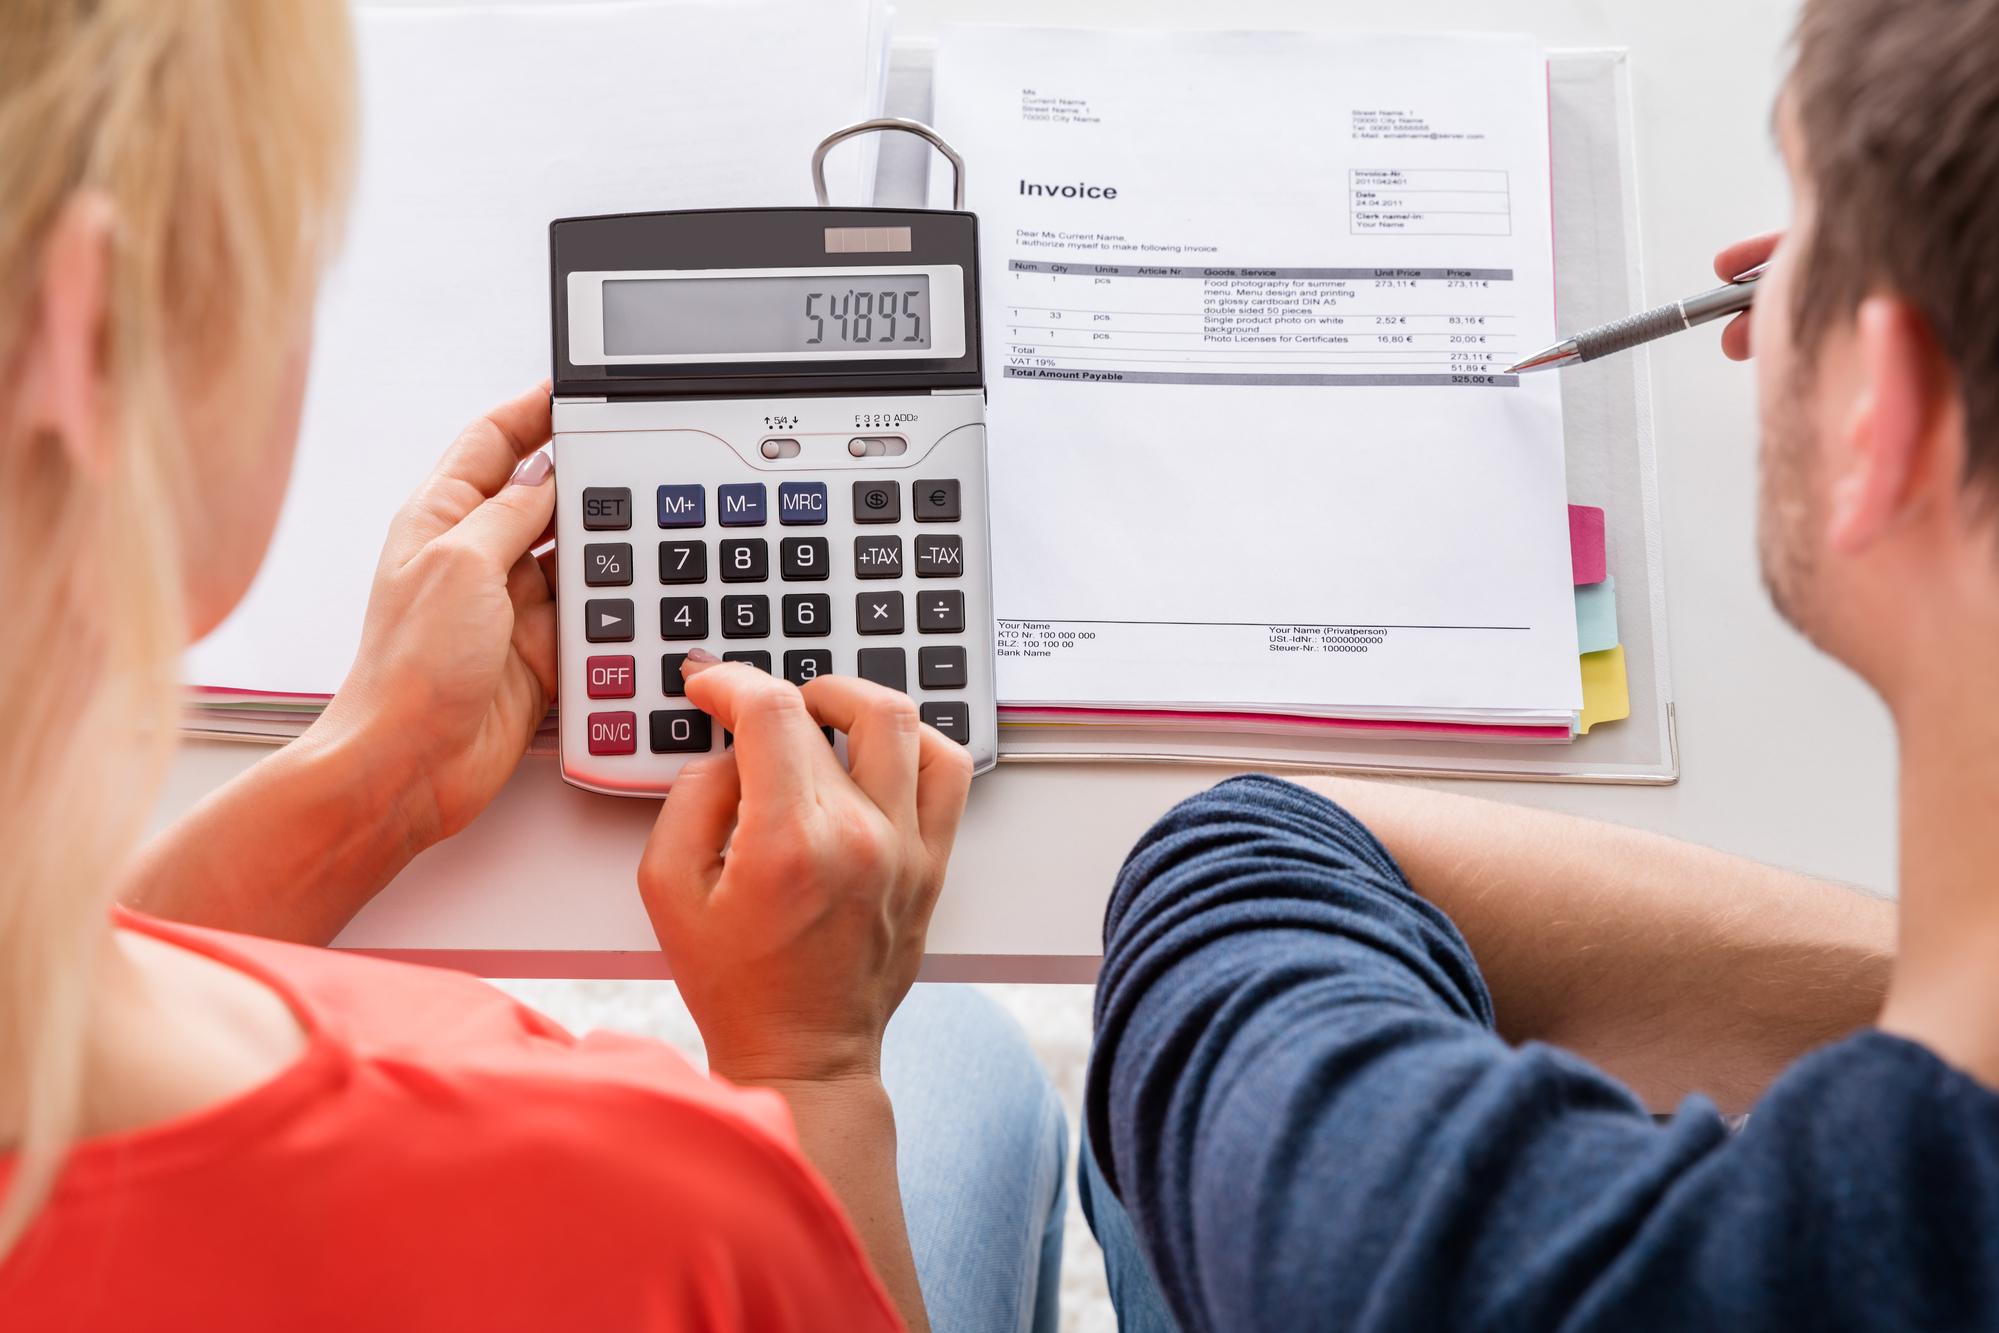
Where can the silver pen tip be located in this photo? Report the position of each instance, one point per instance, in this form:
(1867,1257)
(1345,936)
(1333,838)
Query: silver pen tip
(1549,358)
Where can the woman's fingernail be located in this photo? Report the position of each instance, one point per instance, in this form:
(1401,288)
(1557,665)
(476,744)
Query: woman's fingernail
(702,656)
(536,468)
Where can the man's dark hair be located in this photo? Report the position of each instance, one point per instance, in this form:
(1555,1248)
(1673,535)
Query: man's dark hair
(1898,101)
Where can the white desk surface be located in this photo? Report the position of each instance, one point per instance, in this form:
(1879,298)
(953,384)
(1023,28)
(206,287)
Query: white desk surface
(1785,757)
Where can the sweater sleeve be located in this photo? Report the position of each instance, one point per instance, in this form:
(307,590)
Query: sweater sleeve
(1299,1098)
(1298,1094)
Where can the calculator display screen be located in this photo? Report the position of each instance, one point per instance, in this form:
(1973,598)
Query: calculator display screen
(833,311)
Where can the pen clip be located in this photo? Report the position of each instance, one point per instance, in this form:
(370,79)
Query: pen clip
(1751,274)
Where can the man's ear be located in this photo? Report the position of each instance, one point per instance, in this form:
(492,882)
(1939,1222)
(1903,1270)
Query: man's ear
(64,380)
(1905,431)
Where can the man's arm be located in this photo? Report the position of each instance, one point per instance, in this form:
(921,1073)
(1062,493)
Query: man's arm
(1675,968)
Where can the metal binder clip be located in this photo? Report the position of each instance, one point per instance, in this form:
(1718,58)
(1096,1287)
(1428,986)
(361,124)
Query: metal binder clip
(915,127)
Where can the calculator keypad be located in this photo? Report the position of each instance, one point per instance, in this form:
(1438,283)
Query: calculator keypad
(941,611)
(804,559)
(746,617)
(939,556)
(609,620)
(877,557)
(877,502)
(807,615)
(884,666)
(683,562)
(683,617)
(878,612)
(607,564)
(857,578)
(744,561)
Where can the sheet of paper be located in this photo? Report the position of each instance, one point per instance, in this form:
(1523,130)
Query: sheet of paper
(1596,616)
(1606,689)
(1586,548)
(480,127)
(1245,298)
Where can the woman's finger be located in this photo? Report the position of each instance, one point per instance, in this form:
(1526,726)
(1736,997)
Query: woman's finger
(883,733)
(683,856)
(500,530)
(779,748)
(943,780)
(478,464)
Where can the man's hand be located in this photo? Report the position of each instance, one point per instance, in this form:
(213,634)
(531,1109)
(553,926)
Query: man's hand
(792,897)
(457,660)
(456,667)
(1731,263)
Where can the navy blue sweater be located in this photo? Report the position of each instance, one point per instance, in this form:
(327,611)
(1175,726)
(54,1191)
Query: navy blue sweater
(1299,1097)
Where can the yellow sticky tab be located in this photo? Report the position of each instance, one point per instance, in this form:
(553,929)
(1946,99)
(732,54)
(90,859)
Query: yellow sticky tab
(1606,693)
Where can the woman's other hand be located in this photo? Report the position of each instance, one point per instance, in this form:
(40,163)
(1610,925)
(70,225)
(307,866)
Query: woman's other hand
(1731,262)
(457,660)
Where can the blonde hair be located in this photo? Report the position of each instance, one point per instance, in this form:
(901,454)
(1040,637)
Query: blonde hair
(220,133)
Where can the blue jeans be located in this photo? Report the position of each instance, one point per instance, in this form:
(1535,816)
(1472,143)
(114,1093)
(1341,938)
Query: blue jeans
(1141,1306)
(981,1147)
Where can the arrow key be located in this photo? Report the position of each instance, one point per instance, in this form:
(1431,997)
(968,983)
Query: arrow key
(608,620)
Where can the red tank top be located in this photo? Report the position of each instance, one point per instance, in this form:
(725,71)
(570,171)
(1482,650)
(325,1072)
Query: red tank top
(441,1157)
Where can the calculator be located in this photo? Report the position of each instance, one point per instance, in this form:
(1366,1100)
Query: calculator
(770,443)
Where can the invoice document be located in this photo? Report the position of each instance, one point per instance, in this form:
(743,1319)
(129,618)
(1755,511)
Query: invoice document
(1246,301)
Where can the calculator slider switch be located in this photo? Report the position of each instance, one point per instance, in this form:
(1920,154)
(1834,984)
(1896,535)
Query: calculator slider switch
(780,449)
(877,446)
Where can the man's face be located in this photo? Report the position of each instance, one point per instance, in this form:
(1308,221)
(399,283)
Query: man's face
(1790,397)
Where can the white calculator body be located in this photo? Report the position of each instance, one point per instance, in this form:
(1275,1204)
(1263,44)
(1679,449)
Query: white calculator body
(769,443)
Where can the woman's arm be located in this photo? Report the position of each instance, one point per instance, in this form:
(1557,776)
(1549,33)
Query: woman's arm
(454,673)
(1672,966)
(792,897)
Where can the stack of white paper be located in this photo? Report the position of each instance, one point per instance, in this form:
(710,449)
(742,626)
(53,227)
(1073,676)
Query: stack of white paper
(1245,298)
(480,127)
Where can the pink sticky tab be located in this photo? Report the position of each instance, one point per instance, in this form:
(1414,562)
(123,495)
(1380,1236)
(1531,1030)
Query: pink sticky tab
(1586,544)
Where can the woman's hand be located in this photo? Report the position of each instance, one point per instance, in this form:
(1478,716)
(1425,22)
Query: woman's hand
(457,659)
(792,897)
(1731,262)
(456,667)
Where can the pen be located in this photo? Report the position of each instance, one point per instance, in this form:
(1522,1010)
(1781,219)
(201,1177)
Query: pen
(1647,325)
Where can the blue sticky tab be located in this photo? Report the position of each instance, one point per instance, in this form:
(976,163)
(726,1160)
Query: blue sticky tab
(683,507)
(740,506)
(801,502)
(1596,616)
